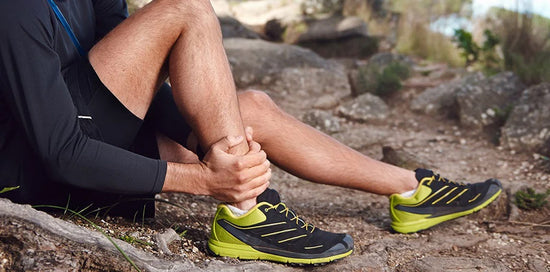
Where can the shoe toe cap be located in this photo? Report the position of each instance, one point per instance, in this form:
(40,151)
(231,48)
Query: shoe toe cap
(495,185)
(343,246)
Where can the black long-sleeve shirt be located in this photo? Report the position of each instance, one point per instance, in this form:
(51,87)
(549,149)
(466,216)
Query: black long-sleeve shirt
(40,136)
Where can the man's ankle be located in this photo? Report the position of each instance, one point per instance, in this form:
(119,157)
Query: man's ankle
(245,205)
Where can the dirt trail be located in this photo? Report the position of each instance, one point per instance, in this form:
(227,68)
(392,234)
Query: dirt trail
(498,238)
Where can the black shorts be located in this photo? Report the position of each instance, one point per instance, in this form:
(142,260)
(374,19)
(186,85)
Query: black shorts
(104,118)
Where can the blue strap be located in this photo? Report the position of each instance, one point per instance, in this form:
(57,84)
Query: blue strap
(67,27)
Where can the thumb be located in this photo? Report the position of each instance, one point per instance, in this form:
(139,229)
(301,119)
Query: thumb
(249,133)
(227,143)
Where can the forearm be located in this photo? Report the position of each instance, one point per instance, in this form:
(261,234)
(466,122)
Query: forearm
(185,178)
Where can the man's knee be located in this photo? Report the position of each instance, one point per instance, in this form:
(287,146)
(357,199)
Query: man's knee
(256,102)
(194,13)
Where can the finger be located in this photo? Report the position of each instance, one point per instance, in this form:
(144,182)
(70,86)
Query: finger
(254,172)
(249,132)
(258,187)
(254,147)
(227,142)
(251,160)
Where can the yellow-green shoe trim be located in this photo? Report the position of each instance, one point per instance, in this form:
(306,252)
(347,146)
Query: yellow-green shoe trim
(423,222)
(246,252)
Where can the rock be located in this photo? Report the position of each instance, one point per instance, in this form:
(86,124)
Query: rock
(165,238)
(255,62)
(379,73)
(364,108)
(283,69)
(333,37)
(232,28)
(261,11)
(358,138)
(332,28)
(382,60)
(32,240)
(326,102)
(348,47)
(444,263)
(404,159)
(322,120)
(528,127)
(42,242)
(441,100)
(489,101)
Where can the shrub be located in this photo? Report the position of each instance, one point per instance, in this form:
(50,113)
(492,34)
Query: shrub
(530,200)
(525,44)
(382,81)
(485,57)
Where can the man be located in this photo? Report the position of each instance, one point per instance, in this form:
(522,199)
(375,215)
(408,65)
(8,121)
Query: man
(77,124)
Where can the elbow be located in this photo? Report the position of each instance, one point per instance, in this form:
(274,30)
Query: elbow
(62,158)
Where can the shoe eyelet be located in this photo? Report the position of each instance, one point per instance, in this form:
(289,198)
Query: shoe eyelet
(266,209)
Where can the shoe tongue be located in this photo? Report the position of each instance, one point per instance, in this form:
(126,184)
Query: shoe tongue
(270,196)
(423,173)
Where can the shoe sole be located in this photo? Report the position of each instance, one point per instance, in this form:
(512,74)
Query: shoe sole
(422,224)
(246,252)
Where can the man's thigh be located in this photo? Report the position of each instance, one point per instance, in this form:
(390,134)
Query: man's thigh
(130,60)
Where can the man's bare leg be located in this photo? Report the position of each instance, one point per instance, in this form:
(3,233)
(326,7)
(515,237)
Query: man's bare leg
(130,61)
(312,155)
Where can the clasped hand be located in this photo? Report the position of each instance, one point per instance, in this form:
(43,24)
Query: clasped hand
(235,178)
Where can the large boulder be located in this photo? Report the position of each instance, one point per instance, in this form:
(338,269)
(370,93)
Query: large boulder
(333,37)
(477,101)
(441,100)
(489,102)
(286,72)
(528,127)
(232,28)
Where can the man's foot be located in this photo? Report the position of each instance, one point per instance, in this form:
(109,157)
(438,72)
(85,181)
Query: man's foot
(270,231)
(437,200)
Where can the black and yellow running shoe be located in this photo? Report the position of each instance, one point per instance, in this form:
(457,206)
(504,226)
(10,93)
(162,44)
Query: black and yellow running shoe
(437,200)
(271,231)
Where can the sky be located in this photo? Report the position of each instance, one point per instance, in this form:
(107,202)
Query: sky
(541,7)
(448,24)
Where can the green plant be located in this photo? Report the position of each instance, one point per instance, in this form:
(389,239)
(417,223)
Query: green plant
(530,200)
(79,214)
(383,82)
(388,82)
(465,42)
(486,57)
(133,240)
(176,229)
(7,189)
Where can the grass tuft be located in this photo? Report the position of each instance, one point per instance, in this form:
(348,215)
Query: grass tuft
(78,214)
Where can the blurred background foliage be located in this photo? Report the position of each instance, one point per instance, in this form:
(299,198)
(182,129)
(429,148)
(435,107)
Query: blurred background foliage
(499,39)
(485,35)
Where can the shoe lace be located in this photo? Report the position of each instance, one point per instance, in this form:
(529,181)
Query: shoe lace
(293,217)
(445,180)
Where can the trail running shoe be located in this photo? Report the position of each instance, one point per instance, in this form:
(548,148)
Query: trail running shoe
(437,200)
(271,231)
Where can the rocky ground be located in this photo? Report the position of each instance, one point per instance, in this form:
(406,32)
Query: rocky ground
(498,238)
(466,126)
